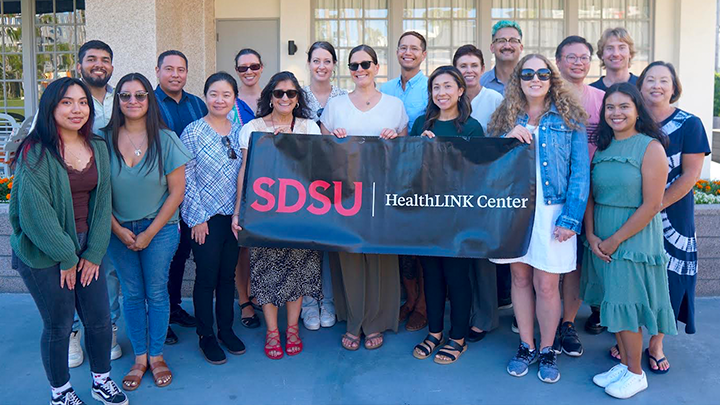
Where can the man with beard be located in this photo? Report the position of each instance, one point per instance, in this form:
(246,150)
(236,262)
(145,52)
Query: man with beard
(95,69)
(506,46)
(178,109)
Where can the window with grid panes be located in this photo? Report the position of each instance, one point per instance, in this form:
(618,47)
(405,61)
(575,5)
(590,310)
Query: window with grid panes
(59,32)
(542,22)
(12,89)
(348,23)
(594,16)
(446,24)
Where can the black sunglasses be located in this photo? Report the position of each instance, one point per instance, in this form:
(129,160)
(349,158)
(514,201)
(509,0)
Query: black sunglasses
(230,151)
(365,65)
(140,96)
(280,93)
(542,74)
(254,67)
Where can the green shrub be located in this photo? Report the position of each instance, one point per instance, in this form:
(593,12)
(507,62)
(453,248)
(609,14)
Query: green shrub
(716,98)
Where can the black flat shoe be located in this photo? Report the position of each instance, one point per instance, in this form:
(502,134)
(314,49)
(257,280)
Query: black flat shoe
(171,338)
(473,336)
(232,343)
(182,318)
(592,325)
(250,322)
(211,350)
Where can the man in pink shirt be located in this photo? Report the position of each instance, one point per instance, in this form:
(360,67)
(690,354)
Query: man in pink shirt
(573,57)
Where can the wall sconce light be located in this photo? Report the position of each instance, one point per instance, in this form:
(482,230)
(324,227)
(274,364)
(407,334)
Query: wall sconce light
(292,48)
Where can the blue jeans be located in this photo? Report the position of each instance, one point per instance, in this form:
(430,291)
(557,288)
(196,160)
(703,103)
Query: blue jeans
(144,277)
(113,287)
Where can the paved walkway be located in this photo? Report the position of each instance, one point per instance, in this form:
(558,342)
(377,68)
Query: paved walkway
(327,374)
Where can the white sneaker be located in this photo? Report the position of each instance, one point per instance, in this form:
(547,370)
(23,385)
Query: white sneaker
(75,352)
(602,380)
(116,351)
(327,315)
(627,386)
(310,317)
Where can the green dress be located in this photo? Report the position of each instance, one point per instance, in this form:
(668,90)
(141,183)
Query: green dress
(631,290)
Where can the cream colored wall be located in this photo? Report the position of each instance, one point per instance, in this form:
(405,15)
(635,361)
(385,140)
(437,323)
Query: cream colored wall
(230,9)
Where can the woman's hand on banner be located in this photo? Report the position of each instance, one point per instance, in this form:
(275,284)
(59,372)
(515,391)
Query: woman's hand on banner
(594,243)
(388,133)
(520,133)
(235,226)
(428,134)
(199,232)
(563,234)
(340,133)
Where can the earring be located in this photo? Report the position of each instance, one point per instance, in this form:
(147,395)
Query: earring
(297,105)
(271,107)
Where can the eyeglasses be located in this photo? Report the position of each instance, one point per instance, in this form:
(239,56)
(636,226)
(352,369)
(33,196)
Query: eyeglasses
(230,151)
(405,48)
(280,93)
(503,41)
(365,65)
(572,58)
(542,74)
(254,67)
(140,96)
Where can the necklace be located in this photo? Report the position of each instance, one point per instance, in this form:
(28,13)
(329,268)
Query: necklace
(272,120)
(74,155)
(137,151)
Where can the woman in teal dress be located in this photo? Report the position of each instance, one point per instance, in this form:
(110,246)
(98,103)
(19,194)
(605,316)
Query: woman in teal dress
(625,258)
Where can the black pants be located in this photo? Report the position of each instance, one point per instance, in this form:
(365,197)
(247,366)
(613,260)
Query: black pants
(449,274)
(215,261)
(504,281)
(177,267)
(57,308)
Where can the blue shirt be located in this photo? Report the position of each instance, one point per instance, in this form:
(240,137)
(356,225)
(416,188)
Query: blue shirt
(490,80)
(241,113)
(414,97)
(176,115)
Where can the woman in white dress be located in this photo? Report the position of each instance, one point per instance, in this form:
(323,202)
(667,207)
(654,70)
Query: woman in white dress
(367,286)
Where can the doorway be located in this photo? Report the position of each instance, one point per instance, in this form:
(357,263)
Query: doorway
(260,35)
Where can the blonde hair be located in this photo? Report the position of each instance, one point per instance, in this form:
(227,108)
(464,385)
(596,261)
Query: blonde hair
(621,34)
(514,104)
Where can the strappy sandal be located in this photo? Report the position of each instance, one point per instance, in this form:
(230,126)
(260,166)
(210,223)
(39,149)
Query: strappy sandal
(428,345)
(371,337)
(293,343)
(250,322)
(354,342)
(455,346)
(132,379)
(160,372)
(273,336)
(256,307)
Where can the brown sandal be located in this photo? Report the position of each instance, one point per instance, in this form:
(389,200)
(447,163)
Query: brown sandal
(160,370)
(353,342)
(132,379)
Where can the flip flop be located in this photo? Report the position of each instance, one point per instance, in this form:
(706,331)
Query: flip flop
(351,340)
(657,362)
(611,355)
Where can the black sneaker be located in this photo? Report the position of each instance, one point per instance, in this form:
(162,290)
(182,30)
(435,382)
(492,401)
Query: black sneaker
(68,397)
(109,393)
(592,325)
(232,343)
(571,344)
(211,350)
(557,343)
(180,317)
(171,338)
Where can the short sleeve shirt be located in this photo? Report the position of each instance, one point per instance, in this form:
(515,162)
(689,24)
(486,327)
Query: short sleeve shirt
(484,105)
(414,97)
(302,126)
(600,83)
(592,101)
(340,112)
(139,193)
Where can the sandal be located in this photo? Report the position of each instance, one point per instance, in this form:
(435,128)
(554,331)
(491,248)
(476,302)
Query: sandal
(454,346)
(293,343)
(270,347)
(374,336)
(428,345)
(132,379)
(416,321)
(610,353)
(657,370)
(354,342)
(160,372)
(255,305)
(250,322)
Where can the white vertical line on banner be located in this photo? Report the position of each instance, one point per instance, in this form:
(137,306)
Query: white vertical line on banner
(373,203)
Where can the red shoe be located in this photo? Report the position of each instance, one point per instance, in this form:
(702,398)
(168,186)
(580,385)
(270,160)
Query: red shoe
(293,344)
(272,345)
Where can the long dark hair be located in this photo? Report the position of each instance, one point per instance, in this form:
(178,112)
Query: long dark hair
(46,131)
(153,124)
(644,124)
(265,101)
(433,111)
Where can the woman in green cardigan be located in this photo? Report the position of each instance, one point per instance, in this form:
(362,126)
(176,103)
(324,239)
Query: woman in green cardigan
(60,214)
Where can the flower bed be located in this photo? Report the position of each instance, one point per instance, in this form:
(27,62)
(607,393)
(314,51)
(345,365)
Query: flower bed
(6,184)
(707,192)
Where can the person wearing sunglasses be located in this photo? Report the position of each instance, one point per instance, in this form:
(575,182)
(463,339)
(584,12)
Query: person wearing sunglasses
(366,286)
(281,276)
(147,161)
(539,109)
(507,47)
(211,183)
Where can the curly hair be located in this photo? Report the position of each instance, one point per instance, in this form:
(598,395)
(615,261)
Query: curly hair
(514,104)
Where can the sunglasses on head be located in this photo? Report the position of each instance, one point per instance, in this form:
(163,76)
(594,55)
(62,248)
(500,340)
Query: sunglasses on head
(280,93)
(365,65)
(230,151)
(140,96)
(543,74)
(254,67)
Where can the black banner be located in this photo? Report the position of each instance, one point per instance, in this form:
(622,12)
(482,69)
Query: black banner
(413,196)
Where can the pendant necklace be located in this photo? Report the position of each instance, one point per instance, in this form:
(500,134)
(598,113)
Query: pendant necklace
(74,155)
(138,151)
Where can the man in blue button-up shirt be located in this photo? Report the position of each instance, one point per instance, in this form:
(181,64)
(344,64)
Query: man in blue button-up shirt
(411,86)
(178,109)
(507,47)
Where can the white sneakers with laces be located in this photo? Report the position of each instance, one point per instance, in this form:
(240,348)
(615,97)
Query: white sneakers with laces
(627,386)
(116,351)
(602,380)
(75,351)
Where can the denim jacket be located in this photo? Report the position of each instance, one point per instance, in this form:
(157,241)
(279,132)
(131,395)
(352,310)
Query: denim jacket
(565,169)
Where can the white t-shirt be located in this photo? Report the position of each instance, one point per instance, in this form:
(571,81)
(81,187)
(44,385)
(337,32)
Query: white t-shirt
(340,112)
(302,126)
(484,105)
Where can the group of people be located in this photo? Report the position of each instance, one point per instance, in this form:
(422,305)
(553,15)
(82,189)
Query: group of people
(123,183)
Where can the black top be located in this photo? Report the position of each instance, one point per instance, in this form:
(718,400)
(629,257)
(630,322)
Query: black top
(600,84)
